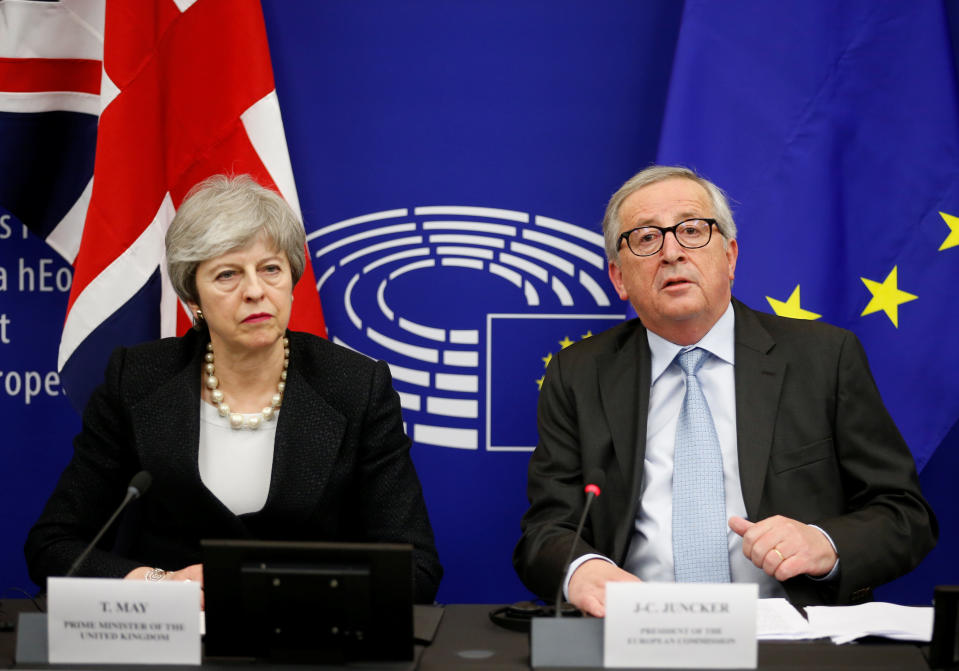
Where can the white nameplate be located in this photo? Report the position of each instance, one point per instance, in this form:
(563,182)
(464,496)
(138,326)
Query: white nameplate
(680,625)
(106,621)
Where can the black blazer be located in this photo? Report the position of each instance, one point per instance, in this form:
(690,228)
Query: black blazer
(341,465)
(815,443)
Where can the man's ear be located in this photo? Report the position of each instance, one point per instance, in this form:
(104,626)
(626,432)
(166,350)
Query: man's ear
(616,277)
(732,253)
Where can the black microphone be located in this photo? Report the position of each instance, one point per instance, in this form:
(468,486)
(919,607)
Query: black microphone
(593,488)
(139,484)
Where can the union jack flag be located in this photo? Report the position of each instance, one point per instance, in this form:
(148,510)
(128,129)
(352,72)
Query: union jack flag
(185,91)
(50,54)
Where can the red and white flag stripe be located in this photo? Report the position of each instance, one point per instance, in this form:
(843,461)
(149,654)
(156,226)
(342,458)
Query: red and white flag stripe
(187,91)
(50,61)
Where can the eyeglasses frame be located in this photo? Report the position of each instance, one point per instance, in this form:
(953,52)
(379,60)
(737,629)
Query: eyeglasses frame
(662,241)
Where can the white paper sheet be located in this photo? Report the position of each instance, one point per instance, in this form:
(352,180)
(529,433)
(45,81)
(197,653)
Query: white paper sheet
(847,623)
(777,620)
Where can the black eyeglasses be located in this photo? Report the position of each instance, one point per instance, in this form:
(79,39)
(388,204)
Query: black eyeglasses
(648,240)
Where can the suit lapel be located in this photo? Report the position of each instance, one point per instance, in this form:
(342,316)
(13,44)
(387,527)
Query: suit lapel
(309,436)
(759,379)
(167,427)
(624,377)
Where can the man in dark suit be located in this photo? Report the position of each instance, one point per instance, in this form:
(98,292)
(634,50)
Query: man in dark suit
(820,491)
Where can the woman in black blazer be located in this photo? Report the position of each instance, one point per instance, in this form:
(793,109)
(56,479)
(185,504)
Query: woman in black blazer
(248,430)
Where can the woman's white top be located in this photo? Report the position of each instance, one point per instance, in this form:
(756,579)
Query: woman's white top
(236,464)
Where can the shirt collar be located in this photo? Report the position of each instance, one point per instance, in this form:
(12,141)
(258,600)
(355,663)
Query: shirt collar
(720,341)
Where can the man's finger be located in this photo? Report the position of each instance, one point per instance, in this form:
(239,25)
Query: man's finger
(739,525)
(771,561)
(593,606)
(791,567)
(768,548)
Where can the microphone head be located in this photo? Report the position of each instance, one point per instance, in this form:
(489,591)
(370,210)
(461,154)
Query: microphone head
(140,483)
(595,482)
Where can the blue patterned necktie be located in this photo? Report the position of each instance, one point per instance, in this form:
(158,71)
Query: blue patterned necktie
(700,551)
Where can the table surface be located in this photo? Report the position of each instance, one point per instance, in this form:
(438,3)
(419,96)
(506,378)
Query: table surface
(467,639)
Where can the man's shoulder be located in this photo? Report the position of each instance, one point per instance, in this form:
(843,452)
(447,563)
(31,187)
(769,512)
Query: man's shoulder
(606,342)
(789,333)
(789,326)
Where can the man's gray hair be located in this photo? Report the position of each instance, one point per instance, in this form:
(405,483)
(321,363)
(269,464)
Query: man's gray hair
(225,213)
(658,173)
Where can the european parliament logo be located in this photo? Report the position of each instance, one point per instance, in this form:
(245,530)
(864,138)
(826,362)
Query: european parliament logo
(467,305)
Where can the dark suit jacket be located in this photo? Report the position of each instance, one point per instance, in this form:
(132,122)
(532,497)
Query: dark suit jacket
(815,443)
(341,465)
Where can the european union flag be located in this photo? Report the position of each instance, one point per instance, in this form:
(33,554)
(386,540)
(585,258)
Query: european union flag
(834,129)
(520,347)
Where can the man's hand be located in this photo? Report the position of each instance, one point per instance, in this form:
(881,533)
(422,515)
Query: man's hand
(587,585)
(785,548)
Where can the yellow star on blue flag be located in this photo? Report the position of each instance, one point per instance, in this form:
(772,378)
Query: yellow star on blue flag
(790,307)
(887,296)
(952,240)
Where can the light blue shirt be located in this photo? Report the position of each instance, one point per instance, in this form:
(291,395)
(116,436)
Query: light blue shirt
(650,555)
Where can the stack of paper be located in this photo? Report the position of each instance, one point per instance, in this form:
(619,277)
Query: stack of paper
(778,620)
(847,623)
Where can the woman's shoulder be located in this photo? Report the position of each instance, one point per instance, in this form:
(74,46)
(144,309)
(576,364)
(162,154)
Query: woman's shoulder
(164,353)
(149,364)
(311,351)
(135,372)
(335,372)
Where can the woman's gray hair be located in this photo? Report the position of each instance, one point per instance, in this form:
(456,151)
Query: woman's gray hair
(652,175)
(225,213)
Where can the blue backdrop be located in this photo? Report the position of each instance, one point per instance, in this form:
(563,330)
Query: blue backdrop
(453,161)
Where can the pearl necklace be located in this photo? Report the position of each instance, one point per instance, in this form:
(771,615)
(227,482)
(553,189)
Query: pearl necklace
(239,420)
